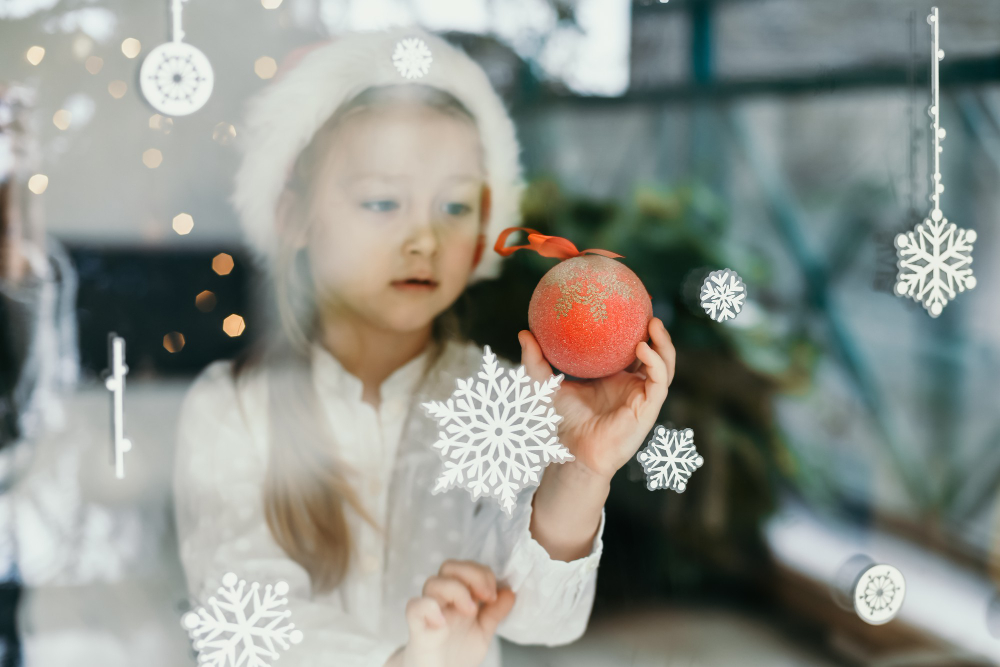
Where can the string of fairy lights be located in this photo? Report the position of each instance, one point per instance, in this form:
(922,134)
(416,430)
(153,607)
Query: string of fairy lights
(223,133)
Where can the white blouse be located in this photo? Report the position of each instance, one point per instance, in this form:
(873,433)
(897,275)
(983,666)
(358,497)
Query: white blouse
(221,459)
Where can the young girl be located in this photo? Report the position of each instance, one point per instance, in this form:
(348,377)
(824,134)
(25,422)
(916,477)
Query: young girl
(370,198)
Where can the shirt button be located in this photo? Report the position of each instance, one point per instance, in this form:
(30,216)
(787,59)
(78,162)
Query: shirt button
(369,563)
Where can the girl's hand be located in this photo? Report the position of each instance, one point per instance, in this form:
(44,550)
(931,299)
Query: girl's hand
(453,622)
(605,420)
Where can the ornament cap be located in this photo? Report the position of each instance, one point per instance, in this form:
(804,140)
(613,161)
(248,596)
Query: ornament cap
(546,246)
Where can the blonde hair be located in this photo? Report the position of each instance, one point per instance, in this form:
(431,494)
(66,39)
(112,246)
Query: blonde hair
(306,489)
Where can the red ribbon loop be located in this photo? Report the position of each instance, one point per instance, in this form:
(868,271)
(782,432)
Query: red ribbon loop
(546,246)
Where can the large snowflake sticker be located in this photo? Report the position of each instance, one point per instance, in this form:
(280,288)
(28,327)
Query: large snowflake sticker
(497,433)
(412,57)
(669,459)
(723,294)
(242,628)
(934,262)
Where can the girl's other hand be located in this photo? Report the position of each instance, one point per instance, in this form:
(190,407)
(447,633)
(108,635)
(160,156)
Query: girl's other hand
(453,622)
(606,420)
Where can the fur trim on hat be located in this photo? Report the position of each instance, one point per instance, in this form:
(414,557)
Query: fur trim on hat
(283,117)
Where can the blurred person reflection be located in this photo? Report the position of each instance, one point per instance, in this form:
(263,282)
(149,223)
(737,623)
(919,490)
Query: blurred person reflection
(38,357)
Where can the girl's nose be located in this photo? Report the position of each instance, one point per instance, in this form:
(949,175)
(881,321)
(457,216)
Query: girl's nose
(423,238)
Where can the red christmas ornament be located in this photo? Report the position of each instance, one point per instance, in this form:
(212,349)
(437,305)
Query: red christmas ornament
(589,311)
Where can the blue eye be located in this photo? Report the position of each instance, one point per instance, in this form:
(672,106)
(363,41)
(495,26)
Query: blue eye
(456,208)
(380,205)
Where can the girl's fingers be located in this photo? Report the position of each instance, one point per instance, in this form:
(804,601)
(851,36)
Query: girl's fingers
(663,346)
(424,613)
(656,373)
(478,578)
(448,590)
(532,359)
(491,614)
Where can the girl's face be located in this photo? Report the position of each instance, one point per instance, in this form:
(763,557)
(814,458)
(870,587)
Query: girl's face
(395,216)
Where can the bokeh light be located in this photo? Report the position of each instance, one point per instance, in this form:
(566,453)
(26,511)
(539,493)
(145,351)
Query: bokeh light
(265,67)
(35,54)
(224,133)
(94,64)
(82,46)
(173,342)
(270,4)
(38,183)
(222,264)
(162,123)
(152,158)
(131,47)
(233,325)
(117,89)
(62,119)
(183,224)
(205,301)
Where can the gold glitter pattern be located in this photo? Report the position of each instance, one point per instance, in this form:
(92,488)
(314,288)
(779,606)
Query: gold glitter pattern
(579,287)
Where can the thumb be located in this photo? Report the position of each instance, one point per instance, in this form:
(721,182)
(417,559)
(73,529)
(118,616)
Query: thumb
(532,359)
(491,614)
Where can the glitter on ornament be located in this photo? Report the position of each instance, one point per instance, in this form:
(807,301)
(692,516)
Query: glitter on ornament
(723,294)
(669,459)
(412,57)
(498,433)
(879,594)
(589,311)
(243,628)
(934,258)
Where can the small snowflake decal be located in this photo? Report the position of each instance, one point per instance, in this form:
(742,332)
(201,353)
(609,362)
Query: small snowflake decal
(723,294)
(669,459)
(934,262)
(176,79)
(242,628)
(498,433)
(412,57)
(879,593)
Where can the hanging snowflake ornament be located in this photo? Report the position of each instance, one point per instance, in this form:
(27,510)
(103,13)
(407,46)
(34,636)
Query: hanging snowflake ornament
(879,593)
(497,433)
(723,294)
(242,627)
(669,459)
(935,258)
(176,78)
(412,57)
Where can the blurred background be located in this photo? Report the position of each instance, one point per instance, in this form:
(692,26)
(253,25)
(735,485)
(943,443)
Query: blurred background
(786,139)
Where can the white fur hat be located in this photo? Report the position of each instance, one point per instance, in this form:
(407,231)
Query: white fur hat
(283,117)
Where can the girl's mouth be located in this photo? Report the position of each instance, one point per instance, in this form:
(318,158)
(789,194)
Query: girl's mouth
(415,284)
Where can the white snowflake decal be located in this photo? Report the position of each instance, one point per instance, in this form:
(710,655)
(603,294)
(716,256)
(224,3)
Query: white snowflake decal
(669,459)
(879,594)
(498,433)
(723,294)
(412,57)
(934,262)
(242,629)
(934,258)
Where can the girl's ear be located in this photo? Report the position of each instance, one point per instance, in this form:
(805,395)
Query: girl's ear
(288,208)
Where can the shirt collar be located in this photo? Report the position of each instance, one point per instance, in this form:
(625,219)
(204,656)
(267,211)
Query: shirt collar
(330,375)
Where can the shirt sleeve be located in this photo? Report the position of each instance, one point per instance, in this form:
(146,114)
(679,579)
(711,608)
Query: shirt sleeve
(221,528)
(554,597)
